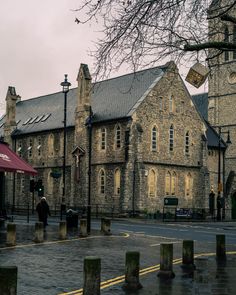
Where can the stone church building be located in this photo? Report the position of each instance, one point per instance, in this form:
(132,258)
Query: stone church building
(149,141)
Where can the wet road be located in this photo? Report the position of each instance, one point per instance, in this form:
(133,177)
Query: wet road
(56,267)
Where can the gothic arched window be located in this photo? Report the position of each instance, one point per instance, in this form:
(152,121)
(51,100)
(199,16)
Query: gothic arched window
(152,183)
(102,181)
(188,185)
(118,137)
(117,182)
(154,138)
(234,41)
(187,143)
(173,183)
(103,138)
(168,183)
(171,138)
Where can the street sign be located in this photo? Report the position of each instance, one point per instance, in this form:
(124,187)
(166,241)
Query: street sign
(171,201)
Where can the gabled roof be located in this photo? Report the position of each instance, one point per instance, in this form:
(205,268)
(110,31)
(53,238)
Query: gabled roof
(111,99)
(201,102)
(213,138)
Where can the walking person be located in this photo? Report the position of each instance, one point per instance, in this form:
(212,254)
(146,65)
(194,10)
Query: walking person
(43,211)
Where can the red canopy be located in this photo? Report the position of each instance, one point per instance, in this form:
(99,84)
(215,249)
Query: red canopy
(11,162)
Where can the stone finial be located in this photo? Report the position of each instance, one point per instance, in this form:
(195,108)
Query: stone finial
(11,99)
(84,88)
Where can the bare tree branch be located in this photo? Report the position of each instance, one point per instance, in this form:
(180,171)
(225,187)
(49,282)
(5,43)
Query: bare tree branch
(141,33)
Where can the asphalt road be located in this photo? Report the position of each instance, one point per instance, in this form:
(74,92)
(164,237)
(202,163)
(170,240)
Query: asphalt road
(56,267)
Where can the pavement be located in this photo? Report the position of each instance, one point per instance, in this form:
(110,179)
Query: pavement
(56,267)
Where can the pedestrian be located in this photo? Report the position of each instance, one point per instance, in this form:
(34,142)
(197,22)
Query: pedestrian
(43,211)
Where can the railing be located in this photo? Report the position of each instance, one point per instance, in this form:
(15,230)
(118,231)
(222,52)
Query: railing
(168,213)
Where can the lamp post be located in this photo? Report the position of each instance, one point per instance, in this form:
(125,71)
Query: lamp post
(89,125)
(65,89)
(220,201)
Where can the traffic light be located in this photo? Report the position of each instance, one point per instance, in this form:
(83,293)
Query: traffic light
(32,185)
(40,188)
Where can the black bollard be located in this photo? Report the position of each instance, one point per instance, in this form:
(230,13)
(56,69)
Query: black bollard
(106,226)
(220,247)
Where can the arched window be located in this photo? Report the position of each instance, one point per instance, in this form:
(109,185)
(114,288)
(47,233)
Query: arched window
(51,145)
(173,183)
(171,104)
(188,185)
(226,39)
(234,41)
(152,183)
(171,138)
(161,103)
(19,148)
(39,146)
(30,148)
(103,138)
(154,138)
(117,182)
(102,181)
(168,183)
(118,137)
(187,143)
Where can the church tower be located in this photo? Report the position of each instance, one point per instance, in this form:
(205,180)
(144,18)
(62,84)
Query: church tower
(222,86)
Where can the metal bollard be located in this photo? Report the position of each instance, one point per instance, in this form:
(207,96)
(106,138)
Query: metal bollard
(83,228)
(11,234)
(166,261)
(39,234)
(92,275)
(62,230)
(8,280)
(220,247)
(132,271)
(106,226)
(188,255)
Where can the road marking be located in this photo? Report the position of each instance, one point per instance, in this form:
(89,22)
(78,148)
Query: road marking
(214,233)
(177,242)
(124,235)
(142,272)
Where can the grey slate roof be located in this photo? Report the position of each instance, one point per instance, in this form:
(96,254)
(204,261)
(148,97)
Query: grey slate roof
(201,102)
(111,99)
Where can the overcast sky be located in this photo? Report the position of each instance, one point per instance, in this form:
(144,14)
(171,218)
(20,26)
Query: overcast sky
(40,42)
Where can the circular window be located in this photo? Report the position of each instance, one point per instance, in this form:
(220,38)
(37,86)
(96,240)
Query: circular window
(232,78)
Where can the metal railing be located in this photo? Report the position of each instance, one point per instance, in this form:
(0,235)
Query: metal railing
(168,213)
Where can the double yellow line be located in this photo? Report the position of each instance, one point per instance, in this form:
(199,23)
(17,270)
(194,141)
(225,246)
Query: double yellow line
(121,279)
(142,272)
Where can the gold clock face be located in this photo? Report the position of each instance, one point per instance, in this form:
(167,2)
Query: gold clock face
(232,78)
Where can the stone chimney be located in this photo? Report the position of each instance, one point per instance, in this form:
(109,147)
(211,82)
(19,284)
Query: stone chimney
(10,124)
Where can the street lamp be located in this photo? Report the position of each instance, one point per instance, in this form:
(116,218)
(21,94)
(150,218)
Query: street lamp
(220,186)
(65,89)
(89,125)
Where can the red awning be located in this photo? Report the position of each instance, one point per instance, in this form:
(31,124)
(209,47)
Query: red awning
(11,162)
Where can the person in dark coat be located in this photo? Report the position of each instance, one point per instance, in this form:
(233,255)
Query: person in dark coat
(43,211)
